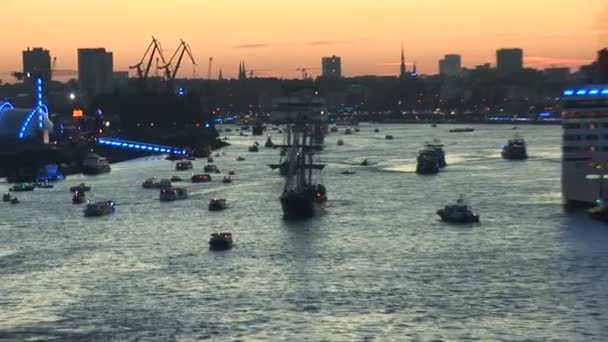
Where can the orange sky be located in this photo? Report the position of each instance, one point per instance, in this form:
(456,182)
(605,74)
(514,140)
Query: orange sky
(275,37)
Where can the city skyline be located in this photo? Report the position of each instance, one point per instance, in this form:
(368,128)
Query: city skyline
(366,35)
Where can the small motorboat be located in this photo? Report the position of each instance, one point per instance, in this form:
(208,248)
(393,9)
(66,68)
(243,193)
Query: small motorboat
(80,187)
(44,185)
(176,179)
(6,197)
(253,148)
(228,129)
(427,162)
(173,194)
(434,125)
(268,142)
(164,183)
(357,129)
(20,187)
(239,158)
(514,127)
(347,172)
(79,197)
(183,165)
(210,160)
(340,142)
(14,200)
(364,162)
(376,130)
(99,209)
(226,138)
(256,143)
(458,213)
(227,179)
(217,204)
(210,168)
(217,154)
(461,130)
(388,137)
(334,128)
(232,172)
(515,149)
(220,241)
(201,178)
(150,183)
(174,157)
(348,131)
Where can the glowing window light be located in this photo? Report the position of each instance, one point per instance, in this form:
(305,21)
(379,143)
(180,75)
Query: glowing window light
(594,91)
(605,92)
(581,92)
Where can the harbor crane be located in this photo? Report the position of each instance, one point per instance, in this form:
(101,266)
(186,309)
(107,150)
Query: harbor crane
(304,71)
(181,50)
(153,48)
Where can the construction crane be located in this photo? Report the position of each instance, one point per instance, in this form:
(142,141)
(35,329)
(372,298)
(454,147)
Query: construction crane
(304,71)
(147,59)
(61,72)
(181,50)
(209,68)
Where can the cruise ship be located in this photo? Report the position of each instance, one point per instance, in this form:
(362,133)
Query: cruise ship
(585,143)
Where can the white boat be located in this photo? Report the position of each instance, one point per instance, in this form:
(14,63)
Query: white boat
(584,147)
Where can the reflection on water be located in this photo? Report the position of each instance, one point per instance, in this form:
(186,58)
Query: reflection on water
(376,263)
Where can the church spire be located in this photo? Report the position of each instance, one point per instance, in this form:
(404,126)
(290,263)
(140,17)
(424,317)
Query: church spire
(403,70)
(220,76)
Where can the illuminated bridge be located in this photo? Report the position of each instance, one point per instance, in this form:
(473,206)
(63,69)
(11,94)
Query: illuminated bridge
(134,145)
(26,123)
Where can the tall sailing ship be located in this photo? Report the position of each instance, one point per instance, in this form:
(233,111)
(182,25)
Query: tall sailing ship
(301,192)
(303,112)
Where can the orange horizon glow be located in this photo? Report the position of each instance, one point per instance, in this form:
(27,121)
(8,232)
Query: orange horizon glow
(276,37)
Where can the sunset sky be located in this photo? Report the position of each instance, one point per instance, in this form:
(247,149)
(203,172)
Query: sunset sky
(274,37)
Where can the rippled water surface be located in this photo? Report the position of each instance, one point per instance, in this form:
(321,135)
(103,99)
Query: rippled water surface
(374,265)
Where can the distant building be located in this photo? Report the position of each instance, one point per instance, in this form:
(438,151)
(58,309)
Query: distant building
(557,74)
(242,71)
(450,65)
(485,66)
(120,77)
(332,67)
(37,61)
(95,71)
(509,60)
(602,59)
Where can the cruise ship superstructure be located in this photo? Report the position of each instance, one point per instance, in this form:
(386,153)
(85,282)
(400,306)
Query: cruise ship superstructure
(585,144)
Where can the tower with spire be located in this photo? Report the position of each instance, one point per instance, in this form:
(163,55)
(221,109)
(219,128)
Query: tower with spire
(220,77)
(242,71)
(403,69)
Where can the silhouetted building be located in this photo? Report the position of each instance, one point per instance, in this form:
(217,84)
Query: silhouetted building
(557,74)
(242,71)
(95,71)
(402,67)
(450,65)
(509,60)
(332,67)
(37,61)
(602,59)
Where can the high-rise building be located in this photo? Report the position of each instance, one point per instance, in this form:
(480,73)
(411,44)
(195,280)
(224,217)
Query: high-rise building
(37,62)
(602,60)
(95,71)
(450,65)
(509,60)
(332,67)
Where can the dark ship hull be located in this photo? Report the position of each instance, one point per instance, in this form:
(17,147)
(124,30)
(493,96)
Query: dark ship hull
(514,154)
(297,206)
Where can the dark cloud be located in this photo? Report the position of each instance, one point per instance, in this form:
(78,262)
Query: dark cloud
(251,46)
(328,42)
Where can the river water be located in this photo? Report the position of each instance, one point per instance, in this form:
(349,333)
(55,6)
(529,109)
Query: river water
(375,265)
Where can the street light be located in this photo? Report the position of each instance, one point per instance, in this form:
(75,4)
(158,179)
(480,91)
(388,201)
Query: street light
(72,96)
